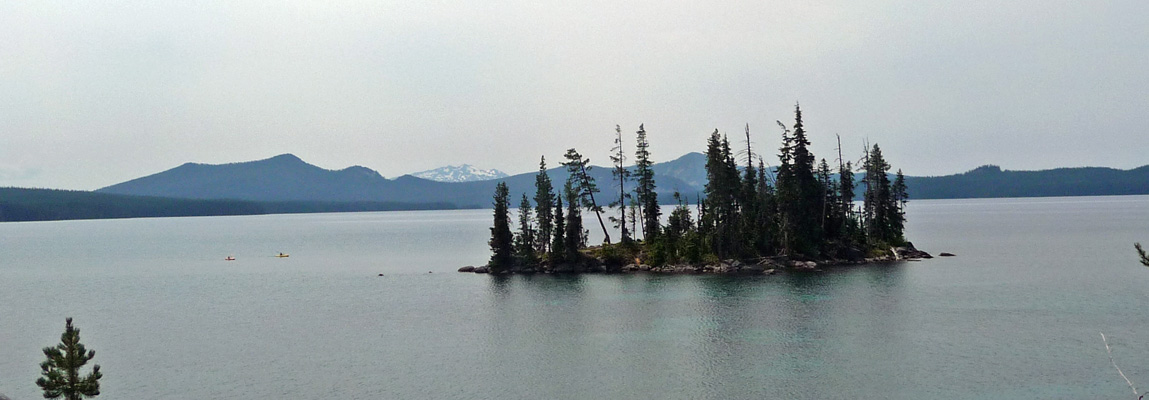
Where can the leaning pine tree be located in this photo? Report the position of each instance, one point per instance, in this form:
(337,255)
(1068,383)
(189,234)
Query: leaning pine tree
(61,372)
(584,186)
(502,246)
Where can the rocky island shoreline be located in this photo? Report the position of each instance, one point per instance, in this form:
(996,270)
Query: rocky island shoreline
(747,216)
(755,266)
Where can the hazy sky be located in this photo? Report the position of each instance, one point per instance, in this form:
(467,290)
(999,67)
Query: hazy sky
(95,93)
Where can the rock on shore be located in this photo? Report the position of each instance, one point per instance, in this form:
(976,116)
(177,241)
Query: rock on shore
(908,252)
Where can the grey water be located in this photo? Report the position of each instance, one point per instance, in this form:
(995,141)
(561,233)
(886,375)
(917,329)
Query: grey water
(1016,315)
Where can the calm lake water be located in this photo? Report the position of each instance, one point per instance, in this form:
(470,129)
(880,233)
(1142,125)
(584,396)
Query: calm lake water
(1015,315)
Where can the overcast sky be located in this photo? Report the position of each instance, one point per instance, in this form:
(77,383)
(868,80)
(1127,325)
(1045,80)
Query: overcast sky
(96,93)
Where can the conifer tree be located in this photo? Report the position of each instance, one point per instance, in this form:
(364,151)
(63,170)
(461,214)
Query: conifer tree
(799,193)
(61,371)
(1141,252)
(678,226)
(767,214)
(647,197)
(884,220)
(573,236)
(719,223)
(584,187)
(621,174)
(749,201)
(831,217)
(558,254)
(846,199)
(899,191)
(785,189)
(501,243)
(901,197)
(525,239)
(544,200)
(846,187)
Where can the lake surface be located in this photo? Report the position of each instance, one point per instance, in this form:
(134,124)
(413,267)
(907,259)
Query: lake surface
(1015,315)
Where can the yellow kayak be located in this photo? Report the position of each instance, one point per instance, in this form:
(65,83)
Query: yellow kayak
(282,255)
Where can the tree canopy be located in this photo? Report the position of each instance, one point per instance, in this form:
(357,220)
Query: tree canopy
(804,209)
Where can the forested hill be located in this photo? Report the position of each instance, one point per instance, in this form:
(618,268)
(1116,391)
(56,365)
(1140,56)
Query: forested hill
(992,181)
(17,204)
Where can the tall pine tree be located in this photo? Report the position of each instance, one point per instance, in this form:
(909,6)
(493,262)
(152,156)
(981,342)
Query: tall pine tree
(767,223)
(525,239)
(750,204)
(644,190)
(901,197)
(544,200)
(846,199)
(830,215)
(884,220)
(502,240)
(558,240)
(799,194)
(573,237)
(621,174)
(719,222)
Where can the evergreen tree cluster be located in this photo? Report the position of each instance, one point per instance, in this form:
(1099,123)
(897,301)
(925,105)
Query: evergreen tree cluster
(805,209)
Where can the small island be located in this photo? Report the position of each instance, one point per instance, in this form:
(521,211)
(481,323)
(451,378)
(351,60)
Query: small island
(752,220)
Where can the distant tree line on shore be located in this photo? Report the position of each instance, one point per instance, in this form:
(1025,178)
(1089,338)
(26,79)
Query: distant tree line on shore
(17,204)
(804,210)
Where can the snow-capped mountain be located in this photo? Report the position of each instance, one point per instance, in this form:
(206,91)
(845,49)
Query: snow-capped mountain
(461,173)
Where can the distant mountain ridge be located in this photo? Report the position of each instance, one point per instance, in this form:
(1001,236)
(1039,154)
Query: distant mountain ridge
(460,173)
(281,178)
(286,178)
(992,181)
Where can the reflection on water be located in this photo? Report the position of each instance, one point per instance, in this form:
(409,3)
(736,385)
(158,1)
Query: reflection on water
(727,335)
